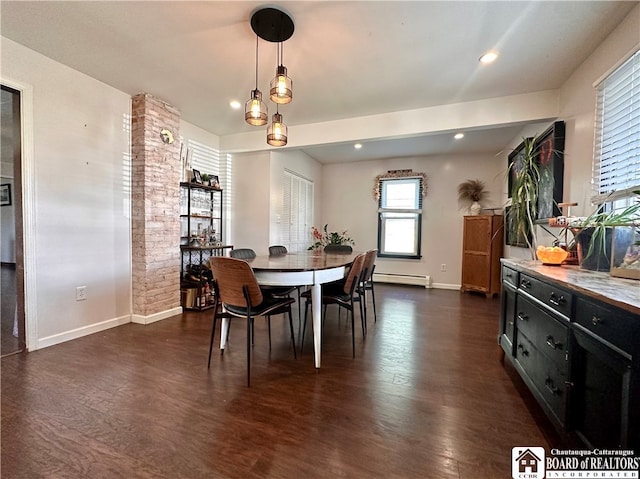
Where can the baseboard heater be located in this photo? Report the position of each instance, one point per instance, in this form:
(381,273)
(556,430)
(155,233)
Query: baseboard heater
(403,279)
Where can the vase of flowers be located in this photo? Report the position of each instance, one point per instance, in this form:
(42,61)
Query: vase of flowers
(325,237)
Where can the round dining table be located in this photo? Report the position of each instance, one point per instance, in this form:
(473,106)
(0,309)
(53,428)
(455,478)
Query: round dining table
(308,268)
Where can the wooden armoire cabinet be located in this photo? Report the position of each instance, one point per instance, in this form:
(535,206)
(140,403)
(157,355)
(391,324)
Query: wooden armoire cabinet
(481,252)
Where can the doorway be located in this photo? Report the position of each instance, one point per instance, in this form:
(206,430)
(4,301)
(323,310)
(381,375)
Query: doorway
(12,317)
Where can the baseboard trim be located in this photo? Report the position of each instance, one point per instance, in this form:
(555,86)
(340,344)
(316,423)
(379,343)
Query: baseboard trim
(152,318)
(80,332)
(446,286)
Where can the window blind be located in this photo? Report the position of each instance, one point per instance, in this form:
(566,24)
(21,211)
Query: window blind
(209,160)
(616,167)
(204,158)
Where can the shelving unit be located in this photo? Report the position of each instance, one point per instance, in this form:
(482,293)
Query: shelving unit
(201,231)
(200,212)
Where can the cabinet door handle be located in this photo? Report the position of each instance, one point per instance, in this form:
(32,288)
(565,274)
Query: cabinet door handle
(557,300)
(524,351)
(510,323)
(552,344)
(596,321)
(508,275)
(525,284)
(552,389)
(522,317)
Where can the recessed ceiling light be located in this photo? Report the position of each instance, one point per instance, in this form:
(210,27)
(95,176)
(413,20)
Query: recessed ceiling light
(489,57)
(357,146)
(235,104)
(459,136)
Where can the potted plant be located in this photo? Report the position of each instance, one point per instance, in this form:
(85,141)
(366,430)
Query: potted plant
(205,179)
(472,191)
(523,212)
(325,237)
(605,235)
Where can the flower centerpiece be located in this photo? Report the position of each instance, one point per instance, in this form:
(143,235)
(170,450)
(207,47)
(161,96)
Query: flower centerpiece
(324,237)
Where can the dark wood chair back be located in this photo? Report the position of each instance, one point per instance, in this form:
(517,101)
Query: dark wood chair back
(277,250)
(369,265)
(353,278)
(234,277)
(242,253)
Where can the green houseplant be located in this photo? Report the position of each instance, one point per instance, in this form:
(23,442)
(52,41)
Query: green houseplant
(325,237)
(523,212)
(596,234)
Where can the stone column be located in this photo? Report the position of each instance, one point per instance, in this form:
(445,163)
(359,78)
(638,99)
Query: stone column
(155,200)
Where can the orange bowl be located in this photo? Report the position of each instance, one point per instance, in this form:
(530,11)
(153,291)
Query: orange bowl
(551,255)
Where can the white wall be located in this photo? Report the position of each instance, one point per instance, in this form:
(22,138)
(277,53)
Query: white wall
(189,131)
(81,228)
(301,164)
(257,195)
(577,110)
(348,203)
(250,199)
(578,103)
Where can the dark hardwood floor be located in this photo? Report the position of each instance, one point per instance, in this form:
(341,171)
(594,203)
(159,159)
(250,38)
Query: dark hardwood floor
(426,397)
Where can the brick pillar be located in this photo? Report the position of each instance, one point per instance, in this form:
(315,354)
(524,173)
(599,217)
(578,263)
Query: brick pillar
(155,200)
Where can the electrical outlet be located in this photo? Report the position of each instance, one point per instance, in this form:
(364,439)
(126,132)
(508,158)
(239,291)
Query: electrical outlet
(81,293)
(443,267)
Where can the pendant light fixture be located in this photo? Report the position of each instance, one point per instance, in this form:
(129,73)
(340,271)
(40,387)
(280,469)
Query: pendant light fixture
(275,26)
(281,86)
(277,131)
(255,110)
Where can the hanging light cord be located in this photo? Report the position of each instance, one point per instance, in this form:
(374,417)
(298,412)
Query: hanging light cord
(256,62)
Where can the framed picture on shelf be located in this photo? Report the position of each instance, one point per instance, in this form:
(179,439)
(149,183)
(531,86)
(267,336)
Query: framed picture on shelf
(196,177)
(215,181)
(550,150)
(515,159)
(5,194)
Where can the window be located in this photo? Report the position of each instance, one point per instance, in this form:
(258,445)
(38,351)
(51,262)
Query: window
(616,168)
(400,218)
(297,212)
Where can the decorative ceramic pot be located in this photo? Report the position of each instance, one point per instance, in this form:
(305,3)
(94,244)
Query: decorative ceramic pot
(475,208)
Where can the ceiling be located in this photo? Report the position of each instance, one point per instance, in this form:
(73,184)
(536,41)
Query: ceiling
(347,59)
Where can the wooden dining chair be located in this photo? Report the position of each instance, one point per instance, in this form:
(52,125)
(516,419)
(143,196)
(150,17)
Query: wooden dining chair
(242,253)
(366,284)
(275,291)
(278,291)
(238,291)
(344,294)
(278,250)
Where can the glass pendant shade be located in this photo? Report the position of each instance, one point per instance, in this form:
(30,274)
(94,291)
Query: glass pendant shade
(277,131)
(281,86)
(255,110)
